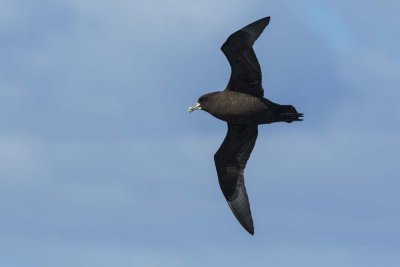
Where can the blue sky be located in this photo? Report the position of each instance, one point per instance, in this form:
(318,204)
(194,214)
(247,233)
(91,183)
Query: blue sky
(101,165)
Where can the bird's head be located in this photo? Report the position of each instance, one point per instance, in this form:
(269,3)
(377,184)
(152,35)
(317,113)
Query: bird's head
(205,102)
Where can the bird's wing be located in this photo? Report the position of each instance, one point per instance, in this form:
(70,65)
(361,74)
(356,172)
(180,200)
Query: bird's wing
(238,49)
(230,161)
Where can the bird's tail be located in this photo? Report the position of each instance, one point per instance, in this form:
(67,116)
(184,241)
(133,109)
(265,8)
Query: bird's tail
(288,113)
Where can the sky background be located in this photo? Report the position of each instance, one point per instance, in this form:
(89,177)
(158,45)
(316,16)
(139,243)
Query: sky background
(101,164)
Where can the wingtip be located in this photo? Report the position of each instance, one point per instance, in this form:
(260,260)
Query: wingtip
(248,226)
(242,212)
(256,28)
(250,231)
(266,20)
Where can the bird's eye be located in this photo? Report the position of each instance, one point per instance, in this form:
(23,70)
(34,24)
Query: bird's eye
(202,99)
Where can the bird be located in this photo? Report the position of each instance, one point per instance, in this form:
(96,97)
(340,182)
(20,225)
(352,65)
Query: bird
(243,107)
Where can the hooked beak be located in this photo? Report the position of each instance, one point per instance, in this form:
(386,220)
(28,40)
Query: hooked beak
(194,107)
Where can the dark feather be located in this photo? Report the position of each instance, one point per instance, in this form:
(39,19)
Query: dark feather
(246,72)
(230,161)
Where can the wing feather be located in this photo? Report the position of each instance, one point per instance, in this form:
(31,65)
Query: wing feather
(245,70)
(230,161)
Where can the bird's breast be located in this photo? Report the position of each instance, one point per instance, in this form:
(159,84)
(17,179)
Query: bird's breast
(238,108)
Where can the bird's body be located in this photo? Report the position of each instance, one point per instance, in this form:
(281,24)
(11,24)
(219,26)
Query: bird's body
(243,106)
(243,109)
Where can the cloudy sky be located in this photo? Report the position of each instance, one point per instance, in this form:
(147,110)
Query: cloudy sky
(101,165)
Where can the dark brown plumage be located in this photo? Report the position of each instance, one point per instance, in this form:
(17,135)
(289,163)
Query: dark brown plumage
(243,107)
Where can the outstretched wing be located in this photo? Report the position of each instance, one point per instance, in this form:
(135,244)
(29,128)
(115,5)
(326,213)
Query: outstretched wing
(238,49)
(230,161)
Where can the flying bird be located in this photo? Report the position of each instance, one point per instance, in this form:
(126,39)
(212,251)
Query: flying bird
(243,106)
